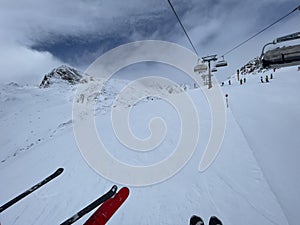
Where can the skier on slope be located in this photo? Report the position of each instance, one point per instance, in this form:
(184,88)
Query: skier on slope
(267,79)
(226,97)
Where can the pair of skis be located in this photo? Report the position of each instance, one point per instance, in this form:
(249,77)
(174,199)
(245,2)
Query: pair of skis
(109,204)
(110,201)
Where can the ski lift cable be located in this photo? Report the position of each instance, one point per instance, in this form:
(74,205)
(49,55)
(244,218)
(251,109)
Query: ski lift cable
(253,36)
(184,30)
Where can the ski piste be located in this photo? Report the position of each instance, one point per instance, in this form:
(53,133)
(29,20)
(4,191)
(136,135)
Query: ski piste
(108,208)
(30,190)
(91,206)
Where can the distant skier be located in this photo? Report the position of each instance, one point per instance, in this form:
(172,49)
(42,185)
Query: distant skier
(267,79)
(227,102)
(244,79)
(241,81)
(196,220)
(229,82)
(271,76)
(222,84)
(261,79)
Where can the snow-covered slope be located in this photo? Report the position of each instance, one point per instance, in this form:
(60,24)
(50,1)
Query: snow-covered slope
(244,184)
(269,116)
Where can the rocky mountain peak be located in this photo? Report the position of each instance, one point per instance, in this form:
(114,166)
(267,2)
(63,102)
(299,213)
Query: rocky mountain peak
(61,73)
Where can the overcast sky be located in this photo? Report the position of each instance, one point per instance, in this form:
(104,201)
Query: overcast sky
(37,35)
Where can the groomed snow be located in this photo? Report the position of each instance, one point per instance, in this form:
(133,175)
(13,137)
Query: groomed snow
(254,179)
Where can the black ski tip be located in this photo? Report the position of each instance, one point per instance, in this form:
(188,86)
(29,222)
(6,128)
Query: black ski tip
(59,171)
(114,189)
(215,221)
(196,220)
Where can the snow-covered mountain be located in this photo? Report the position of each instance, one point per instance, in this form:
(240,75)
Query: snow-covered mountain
(254,179)
(62,73)
(251,67)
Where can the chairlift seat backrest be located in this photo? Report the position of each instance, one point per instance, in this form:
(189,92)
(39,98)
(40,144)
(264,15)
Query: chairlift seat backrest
(200,68)
(221,63)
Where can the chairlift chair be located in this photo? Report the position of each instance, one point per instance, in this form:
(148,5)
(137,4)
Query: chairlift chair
(200,67)
(214,69)
(221,63)
(281,57)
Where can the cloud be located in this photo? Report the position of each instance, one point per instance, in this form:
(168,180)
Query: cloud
(42,20)
(72,32)
(23,65)
(77,31)
(229,23)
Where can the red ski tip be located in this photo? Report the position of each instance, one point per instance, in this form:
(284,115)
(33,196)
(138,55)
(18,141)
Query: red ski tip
(108,208)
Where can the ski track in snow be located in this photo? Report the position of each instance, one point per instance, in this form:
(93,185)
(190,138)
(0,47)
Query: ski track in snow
(39,141)
(34,137)
(242,132)
(234,188)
